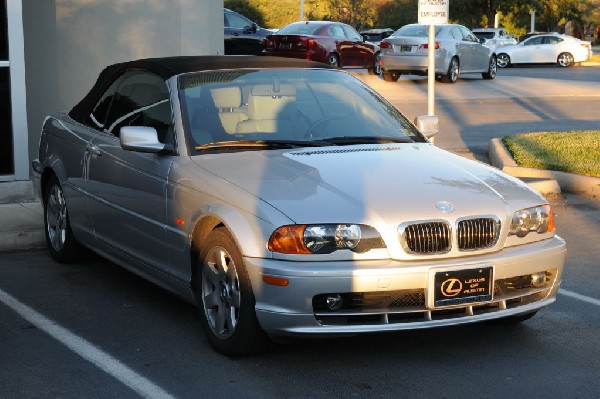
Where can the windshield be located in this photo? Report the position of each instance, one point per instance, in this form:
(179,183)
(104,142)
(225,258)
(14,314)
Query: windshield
(295,107)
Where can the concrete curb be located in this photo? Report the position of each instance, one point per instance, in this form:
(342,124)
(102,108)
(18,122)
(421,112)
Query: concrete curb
(570,182)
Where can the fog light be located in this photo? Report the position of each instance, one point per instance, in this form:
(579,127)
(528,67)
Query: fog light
(334,302)
(538,279)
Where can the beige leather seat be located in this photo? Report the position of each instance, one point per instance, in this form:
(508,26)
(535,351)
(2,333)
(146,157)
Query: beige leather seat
(228,100)
(269,111)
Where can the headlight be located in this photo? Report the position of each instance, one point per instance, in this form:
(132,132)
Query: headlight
(324,239)
(538,219)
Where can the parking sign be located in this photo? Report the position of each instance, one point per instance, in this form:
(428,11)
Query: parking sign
(432,12)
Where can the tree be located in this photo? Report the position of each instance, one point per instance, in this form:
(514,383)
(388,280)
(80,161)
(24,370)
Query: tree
(357,13)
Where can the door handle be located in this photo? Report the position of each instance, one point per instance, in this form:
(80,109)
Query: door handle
(93,149)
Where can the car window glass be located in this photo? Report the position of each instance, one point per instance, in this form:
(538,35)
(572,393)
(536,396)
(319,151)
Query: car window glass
(467,35)
(97,118)
(142,99)
(299,29)
(337,31)
(552,40)
(237,21)
(351,33)
(416,31)
(285,104)
(534,41)
(456,33)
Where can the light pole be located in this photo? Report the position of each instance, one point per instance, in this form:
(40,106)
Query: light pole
(301,10)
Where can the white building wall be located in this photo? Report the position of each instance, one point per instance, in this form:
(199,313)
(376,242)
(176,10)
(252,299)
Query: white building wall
(68,42)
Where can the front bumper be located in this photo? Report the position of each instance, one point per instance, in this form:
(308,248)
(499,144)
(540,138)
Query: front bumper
(397,295)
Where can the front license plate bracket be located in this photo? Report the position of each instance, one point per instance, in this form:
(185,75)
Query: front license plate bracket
(463,286)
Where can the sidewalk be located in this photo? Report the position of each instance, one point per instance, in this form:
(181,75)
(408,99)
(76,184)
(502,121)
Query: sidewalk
(22,224)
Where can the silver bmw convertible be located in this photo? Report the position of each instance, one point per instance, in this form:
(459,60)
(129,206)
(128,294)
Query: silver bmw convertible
(288,199)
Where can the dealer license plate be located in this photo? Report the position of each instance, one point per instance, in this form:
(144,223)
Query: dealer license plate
(456,287)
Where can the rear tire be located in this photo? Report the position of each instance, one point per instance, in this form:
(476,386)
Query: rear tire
(453,71)
(492,69)
(225,298)
(61,242)
(376,68)
(565,60)
(391,76)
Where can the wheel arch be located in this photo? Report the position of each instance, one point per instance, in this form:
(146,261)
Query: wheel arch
(240,224)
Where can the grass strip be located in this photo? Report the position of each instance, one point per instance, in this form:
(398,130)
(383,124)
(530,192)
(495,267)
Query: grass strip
(571,152)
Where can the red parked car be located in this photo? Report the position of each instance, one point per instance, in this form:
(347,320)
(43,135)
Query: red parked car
(333,43)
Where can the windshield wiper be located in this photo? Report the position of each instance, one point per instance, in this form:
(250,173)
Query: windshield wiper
(350,140)
(242,145)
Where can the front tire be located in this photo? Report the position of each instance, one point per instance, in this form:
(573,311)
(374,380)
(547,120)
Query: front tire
(492,69)
(503,60)
(61,242)
(225,298)
(391,76)
(565,60)
(453,71)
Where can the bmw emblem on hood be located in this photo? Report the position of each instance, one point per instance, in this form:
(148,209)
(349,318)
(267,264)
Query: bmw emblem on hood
(444,206)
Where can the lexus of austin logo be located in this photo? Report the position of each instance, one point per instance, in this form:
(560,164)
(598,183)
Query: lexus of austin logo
(444,206)
(451,287)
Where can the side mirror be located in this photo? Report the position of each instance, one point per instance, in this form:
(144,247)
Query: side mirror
(482,40)
(140,139)
(429,125)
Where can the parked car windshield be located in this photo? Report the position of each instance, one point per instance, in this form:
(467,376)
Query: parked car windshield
(287,106)
(415,31)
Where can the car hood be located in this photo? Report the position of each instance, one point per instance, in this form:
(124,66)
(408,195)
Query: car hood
(370,183)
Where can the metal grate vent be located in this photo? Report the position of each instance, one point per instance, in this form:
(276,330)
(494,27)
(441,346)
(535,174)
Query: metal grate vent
(478,233)
(427,238)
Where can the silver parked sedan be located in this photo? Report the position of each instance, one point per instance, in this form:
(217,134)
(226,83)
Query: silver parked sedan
(457,51)
(288,199)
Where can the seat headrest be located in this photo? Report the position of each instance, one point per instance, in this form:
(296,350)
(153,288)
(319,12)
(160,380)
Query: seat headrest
(227,97)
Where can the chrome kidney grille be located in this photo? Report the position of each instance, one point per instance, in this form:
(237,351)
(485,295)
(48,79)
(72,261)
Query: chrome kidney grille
(435,236)
(431,237)
(478,233)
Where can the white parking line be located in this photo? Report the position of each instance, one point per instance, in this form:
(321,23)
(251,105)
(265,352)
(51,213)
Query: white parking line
(583,298)
(86,350)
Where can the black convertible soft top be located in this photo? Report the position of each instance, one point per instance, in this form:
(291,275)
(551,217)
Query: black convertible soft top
(171,66)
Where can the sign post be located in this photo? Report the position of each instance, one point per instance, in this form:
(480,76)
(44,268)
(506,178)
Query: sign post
(432,12)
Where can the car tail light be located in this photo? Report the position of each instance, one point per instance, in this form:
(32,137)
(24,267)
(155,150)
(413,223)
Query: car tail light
(426,45)
(385,44)
(306,43)
(266,43)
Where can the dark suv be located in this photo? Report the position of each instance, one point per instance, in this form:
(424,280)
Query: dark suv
(242,36)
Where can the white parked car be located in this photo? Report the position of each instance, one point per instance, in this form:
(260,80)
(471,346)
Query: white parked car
(457,51)
(546,49)
(494,37)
